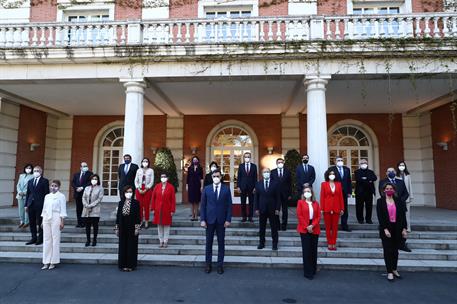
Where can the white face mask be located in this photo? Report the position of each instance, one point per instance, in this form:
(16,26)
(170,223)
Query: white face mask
(213,168)
(247,159)
(216,180)
(307,194)
(36,174)
(128,195)
(331,177)
(401,168)
(145,164)
(266,175)
(28,171)
(164,179)
(94,182)
(340,163)
(363,166)
(84,169)
(280,165)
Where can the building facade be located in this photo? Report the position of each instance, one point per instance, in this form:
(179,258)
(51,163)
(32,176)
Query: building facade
(361,79)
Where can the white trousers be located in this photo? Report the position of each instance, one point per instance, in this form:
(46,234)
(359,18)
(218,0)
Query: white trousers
(51,240)
(408,216)
(164,232)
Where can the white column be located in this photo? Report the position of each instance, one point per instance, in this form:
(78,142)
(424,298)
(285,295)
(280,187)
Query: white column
(316,117)
(133,120)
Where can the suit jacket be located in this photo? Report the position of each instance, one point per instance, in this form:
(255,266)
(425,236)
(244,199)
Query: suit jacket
(92,197)
(383,215)
(303,217)
(246,182)
(364,182)
(35,194)
(163,204)
(346,182)
(267,201)
(285,183)
(401,191)
(331,201)
(84,182)
(216,211)
(304,178)
(129,178)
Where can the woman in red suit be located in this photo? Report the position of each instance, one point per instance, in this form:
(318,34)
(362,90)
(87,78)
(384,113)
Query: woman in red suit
(163,207)
(332,206)
(309,216)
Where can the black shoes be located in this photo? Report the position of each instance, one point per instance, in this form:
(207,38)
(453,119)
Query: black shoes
(87,244)
(208,269)
(220,269)
(284,227)
(360,222)
(251,221)
(275,247)
(261,246)
(31,242)
(94,243)
(405,248)
(346,228)
(243,220)
(369,222)
(39,242)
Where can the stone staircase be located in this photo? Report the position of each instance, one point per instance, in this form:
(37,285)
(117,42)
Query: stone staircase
(434,247)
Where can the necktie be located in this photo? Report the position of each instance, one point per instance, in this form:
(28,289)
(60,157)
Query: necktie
(126,169)
(280,173)
(215,192)
(341,172)
(247,169)
(306,169)
(81,178)
(36,182)
(266,185)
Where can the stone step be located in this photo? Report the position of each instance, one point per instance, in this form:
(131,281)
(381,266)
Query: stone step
(237,224)
(198,231)
(237,261)
(111,248)
(151,238)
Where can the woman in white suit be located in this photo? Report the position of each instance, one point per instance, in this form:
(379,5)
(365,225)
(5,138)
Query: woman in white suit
(404,174)
(54,212)
(21,190)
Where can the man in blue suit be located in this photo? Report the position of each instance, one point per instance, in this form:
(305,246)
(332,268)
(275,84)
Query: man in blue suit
(305,174)
(215,216)
(246,179)
(37,188)
(343,175)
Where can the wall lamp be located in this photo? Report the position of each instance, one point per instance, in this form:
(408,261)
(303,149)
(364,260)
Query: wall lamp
(270,150)
(34,146)
(194,150)
(443,145)
(153,149)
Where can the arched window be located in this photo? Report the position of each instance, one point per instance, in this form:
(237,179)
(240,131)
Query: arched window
(111,156)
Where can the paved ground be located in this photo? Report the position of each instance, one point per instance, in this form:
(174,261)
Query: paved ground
(25,283)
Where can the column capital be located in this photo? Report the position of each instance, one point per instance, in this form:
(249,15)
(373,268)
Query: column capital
(134,84)
(316,82)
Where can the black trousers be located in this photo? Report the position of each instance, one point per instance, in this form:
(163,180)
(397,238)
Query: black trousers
(247,195)
(91,222)
(344,217)
(79,209)
(35,221)
(362,201)
(274,225)
(309,243)
(219,229)
(285,210)
(390,247)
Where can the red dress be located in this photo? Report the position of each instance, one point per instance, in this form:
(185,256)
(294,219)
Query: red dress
(163,204)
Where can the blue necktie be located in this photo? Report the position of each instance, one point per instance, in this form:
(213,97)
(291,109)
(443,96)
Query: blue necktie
(341,173)
(215,192)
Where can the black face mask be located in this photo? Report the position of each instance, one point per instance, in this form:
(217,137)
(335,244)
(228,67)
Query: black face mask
(305,161)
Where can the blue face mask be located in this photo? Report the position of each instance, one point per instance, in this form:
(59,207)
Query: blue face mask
(127,161)
(391,175)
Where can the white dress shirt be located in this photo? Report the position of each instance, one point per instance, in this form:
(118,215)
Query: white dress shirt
(311,210)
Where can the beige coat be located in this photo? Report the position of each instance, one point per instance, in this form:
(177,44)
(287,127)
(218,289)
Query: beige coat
(91,201)
(149,180)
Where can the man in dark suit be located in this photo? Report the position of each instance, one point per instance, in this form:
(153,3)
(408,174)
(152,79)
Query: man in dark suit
(305,174)
(283,177)
(215,216)
(37,188)
(246,180)
(267,206)
(364,191)
(80,181)
(343,175)
(401,192)
(126,174)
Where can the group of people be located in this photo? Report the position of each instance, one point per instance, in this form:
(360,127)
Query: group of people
(43,207)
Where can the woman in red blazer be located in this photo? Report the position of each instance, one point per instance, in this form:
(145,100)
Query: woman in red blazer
(332,206)
(309,216)
(163,207)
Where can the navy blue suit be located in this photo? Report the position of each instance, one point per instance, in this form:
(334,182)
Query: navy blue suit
(126,179)
(346,185)
(267,202)
(285,190)
(246,182)
(34,202)
(215,210)
(303,177)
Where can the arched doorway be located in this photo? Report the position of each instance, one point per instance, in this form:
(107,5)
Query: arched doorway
(110,157)
(226,145)
(353,142)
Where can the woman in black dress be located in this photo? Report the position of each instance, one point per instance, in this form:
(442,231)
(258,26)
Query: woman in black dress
(208,177)
(194,185)
(127,229)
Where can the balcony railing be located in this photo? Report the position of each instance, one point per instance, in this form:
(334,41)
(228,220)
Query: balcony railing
(242,30)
